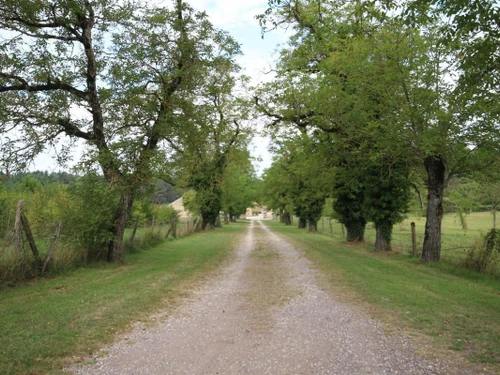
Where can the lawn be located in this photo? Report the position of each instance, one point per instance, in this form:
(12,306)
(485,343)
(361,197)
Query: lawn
(50,323)
(456,309)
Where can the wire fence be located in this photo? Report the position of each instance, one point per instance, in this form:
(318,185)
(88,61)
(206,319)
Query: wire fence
(454,248)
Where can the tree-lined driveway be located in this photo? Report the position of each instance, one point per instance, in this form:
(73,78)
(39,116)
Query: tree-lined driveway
(265,313)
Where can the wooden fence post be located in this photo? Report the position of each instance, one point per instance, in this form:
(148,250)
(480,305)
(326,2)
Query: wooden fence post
(414,239)
(51,249)
(31,241)
(17,230)
(132,238)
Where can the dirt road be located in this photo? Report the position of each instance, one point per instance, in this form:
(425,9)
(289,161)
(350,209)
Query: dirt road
(264,314)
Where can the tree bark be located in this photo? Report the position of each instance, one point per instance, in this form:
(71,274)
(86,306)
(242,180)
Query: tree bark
(226,218)
(302,223)
(287,218)
(494,212)
(313,226)
(436,170)
(355,230)
(383,237)
(115,250)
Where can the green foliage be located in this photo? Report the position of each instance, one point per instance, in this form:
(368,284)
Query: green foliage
(89,215)
(485,255)
(190,202)
(164,213)
(239,184)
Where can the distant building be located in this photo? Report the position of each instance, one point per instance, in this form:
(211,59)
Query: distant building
(179,207)
(258,210)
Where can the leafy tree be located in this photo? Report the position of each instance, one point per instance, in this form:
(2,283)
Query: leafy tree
(210,137)
(118,78)
(239,190)
(367,78)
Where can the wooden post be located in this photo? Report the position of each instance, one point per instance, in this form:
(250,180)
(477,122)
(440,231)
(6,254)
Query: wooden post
(173,226)
(414,239)
(17,231)
(51,249)
(31,241)
(131,240)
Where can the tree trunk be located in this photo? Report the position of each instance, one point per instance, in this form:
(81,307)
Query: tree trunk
(218,224)
(463,220)
(302,223)
(226,218)
(287,219)
(115,250)
(313,226)
(383,237)
(494,212)
(355,230)
(436,170)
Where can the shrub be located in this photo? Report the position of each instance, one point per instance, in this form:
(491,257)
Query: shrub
(485,255)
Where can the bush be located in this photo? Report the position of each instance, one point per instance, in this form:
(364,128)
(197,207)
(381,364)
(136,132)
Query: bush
(90,214)
(484,257)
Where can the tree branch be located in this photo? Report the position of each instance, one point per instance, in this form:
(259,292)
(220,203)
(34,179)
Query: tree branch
(49,86)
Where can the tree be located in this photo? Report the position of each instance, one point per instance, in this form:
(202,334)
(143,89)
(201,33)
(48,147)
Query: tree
(238,187)
(377,80)
(338,76)
(213,129)
(106,73)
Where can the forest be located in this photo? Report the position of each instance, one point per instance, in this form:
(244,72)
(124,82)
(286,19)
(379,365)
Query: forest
(374,109)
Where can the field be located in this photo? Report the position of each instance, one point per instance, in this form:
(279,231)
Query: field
(455,240)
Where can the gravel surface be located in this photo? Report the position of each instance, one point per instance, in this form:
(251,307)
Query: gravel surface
(264,314)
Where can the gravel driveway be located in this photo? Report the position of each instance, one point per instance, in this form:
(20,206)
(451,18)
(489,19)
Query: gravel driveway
(264,314)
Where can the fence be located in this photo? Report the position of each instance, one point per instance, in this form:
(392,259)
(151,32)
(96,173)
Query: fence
(454,247)
(28,250)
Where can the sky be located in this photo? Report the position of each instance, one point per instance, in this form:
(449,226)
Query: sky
(238,18)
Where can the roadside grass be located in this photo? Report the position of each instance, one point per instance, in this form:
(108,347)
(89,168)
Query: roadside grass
(456,308)
(49,324)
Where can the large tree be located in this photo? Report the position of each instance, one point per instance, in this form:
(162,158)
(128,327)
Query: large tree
(214,128)
(379,82)
(103,72)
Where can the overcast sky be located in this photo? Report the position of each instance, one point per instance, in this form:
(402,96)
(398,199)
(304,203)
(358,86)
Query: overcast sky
(238,18)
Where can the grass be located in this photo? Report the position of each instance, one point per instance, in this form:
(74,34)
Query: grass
(51,323)
(455,241)
(456,308)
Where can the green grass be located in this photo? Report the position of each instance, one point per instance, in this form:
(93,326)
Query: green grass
(50,323)
(457,308)
(455,241)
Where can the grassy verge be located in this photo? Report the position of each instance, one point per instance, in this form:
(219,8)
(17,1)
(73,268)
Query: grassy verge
(458,309)
(51,323)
